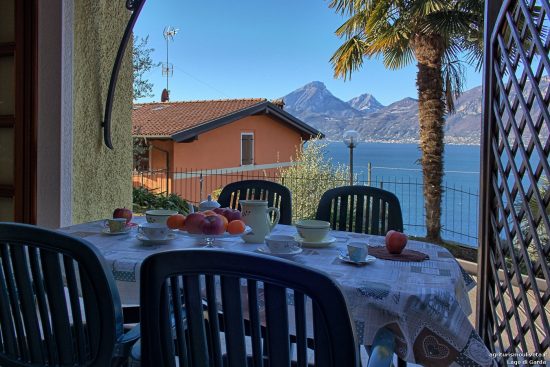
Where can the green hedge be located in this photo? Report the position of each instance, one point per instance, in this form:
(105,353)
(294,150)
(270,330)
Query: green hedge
(145,199)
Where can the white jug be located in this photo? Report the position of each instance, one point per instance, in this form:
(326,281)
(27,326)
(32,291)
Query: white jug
(256,215)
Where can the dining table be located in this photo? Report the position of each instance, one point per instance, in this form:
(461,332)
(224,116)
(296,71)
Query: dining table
(424,303)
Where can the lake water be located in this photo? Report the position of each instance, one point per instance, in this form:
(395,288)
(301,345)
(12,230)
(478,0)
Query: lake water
(398,167)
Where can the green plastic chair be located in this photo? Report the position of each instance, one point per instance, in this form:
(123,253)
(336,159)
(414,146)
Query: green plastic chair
(361,209)
(275,194)
(192,336)
(59,305)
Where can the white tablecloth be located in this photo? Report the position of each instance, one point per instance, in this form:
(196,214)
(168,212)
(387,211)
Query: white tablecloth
(425,303)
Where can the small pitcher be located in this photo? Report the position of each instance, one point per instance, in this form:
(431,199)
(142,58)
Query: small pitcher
(256,215)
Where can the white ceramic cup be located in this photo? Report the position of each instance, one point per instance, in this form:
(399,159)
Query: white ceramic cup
(313,230)
(357,251)
(159,215)
(153,231)
(116,224)
(281,244)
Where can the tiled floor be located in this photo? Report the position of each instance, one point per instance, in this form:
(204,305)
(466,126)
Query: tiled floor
(521,314)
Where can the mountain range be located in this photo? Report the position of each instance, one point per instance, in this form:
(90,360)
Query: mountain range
(398,122)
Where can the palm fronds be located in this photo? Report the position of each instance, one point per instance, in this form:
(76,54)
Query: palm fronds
(453,82)
(348,58)
(387,28)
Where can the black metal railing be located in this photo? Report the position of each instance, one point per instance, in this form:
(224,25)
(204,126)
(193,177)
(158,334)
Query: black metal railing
(459,206)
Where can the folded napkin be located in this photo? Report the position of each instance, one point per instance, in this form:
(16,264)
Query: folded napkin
(407,255)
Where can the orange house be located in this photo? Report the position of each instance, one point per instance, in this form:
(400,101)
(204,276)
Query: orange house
(192,144)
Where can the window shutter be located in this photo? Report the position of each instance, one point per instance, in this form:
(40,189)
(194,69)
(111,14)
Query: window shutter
(247,149)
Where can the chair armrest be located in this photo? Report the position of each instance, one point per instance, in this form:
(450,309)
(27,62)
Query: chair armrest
(382,349)
(125,343)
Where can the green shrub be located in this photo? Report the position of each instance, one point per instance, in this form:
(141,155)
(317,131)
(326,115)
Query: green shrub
(310,176)
(145,199)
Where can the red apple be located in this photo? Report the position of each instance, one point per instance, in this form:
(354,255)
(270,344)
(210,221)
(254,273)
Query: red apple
(123,213)
(232,214)
(193,223)
(212,225)
(395,242)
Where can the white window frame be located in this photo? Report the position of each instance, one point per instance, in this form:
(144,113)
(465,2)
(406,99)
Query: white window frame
(241,147)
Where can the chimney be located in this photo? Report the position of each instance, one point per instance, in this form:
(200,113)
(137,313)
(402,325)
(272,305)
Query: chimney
(164,97)
(279,103)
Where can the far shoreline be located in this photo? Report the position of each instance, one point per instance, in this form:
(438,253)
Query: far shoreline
(412,142)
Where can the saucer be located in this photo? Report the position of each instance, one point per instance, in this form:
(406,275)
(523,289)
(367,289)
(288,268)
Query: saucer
(266,251)
(326,242)
(369,259)
(106,230)
(146,240)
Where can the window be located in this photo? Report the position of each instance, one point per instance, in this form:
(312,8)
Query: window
(247,149)
(141,155)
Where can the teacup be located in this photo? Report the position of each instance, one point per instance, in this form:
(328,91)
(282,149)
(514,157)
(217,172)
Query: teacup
(313,230)
(357,251)
(281,244)
(159,215)
(153,231)
(116,224)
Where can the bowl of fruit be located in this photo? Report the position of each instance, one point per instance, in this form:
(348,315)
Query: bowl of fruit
(209,225)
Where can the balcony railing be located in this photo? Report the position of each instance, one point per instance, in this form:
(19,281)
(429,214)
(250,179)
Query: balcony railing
(459,206)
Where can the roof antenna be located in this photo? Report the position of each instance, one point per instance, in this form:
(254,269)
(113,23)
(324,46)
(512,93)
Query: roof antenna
(168,68)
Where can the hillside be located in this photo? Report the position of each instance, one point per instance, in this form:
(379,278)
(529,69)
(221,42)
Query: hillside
(397,122)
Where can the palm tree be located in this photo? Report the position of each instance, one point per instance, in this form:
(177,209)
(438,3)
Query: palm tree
(435,33)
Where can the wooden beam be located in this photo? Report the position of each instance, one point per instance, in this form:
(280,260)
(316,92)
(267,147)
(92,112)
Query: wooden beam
(485,325)
(25,138)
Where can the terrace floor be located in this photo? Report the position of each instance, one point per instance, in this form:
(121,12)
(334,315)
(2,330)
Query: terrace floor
(522,316)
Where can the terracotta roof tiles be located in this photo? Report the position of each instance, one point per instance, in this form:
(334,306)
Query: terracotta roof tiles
(168,118)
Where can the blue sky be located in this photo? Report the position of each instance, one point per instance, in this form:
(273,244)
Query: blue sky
(263,48)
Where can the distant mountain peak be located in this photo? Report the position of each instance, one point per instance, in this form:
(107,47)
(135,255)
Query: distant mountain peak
(315,98)
(315,84)
(366,103)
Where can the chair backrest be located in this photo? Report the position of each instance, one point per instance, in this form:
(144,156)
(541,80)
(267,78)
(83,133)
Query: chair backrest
(59,305)
(276,195)
(257,295)
(361,209)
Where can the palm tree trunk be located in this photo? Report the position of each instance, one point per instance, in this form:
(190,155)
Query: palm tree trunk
(429,52)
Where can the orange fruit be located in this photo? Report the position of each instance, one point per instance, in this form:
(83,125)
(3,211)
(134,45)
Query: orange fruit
(176,221)
(225,221)
(236,227)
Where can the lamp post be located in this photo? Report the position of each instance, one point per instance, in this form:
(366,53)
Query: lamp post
(351,139)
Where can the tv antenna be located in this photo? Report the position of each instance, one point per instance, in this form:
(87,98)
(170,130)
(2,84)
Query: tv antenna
(168,68)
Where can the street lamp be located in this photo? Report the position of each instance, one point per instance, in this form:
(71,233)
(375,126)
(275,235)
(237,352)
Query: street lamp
(351,139)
